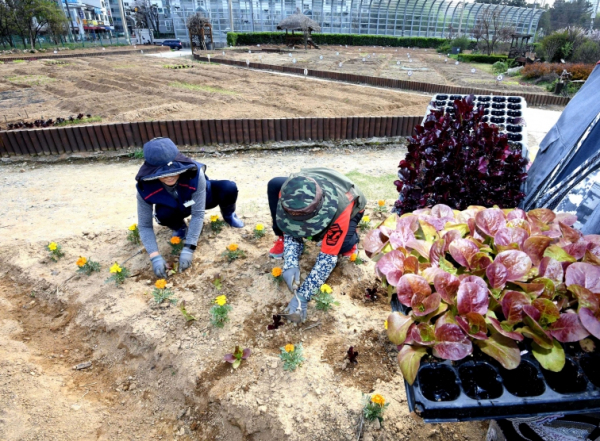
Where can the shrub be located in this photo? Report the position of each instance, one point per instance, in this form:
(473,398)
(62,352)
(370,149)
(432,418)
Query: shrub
(553,44)
(588,53)
(536,70)
(445,47)
(480,58)
(459,160)
(490,278)
(500,67)
(462,42)
(253,38)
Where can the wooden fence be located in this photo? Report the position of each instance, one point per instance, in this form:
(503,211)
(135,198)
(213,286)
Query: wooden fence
(94,138)
(533,99)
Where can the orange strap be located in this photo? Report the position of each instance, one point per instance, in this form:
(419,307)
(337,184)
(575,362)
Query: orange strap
(334,238)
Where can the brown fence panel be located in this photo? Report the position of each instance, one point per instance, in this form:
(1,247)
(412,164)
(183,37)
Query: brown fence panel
(55,133)
(271,129)
(289,129)
(89,145)
(122,137)
(277,129)
(129,134)
(320,132)
(246,131)
(212,127)
(237,131)
(251,131)
(265,130)
(219,131)
(150,131)
(81,145)
(102,142)
(71,138)
(5,147)
(110,142)
(258,130)
(31,142)
(226,131)
(16,143)
(137,136)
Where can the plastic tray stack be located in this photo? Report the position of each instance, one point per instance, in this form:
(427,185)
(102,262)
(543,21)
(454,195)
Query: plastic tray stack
(506,112)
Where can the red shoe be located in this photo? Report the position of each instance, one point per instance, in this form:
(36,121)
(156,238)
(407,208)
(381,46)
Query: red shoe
(351,252)
(277,251)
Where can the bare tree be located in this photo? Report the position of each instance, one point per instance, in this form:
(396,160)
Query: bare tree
(492,29)
(145,15)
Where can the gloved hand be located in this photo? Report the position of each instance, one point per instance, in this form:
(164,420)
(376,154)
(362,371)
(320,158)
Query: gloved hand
(159,266)
(296,309)
(292,278)
(185,259)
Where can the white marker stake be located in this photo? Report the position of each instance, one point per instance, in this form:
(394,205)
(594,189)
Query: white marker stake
(364,59)
(208,58)
(223,52)
(142,52)
(398,63)
(248,63)
(290,55)
(249,52)
(499,77)
(305,72)
(294,61)
(445,60)
(320,57)
(410,73)
(337,54)
(456,63)
(410,60)
(340,65)
(56,52)
(473,70)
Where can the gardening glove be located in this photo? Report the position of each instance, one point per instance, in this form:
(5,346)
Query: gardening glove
(159,266)
(292,278)
(185,258)
(296,309)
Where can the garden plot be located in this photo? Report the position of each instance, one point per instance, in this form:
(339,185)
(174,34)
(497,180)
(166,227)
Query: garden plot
(154,375)
(138,88)
(427,66)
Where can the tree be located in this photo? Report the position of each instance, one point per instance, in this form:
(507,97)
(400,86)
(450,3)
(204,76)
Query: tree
(146,16)
(30,17)
(519,3)
(569,13)
(491,29)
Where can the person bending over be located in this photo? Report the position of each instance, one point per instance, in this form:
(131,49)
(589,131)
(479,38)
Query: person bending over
(170,188)
(317,204)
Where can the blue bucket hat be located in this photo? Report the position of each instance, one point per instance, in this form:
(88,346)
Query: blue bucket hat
(163,159)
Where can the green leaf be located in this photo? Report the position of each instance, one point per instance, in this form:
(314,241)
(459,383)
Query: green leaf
(447,266)
(398,325)
(236,364)
(502,349)
(536,332)
(462,228)
(559,254)
(429,232)
(409,359)
(551,359)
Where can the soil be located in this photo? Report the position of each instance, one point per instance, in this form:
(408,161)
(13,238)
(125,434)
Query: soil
(135,87)
(154,376)
(427,66)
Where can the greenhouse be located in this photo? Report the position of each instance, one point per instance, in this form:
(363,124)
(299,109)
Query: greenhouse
(408,18)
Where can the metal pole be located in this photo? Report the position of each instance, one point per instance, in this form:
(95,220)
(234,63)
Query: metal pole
(229,3)
(69,17)
(531,21)
(124,22)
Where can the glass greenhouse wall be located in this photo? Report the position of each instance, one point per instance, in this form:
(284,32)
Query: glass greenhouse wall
(408,18)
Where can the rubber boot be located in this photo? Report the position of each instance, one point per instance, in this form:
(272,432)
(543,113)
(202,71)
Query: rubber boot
(230,217)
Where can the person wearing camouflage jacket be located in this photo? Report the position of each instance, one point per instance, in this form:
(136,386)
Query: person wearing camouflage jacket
(317,204)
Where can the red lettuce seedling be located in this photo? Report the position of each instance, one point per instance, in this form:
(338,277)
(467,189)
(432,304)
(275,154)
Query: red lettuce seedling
(237,356)
(489,278)
(277,322)
(371,294)
(352,355)
(459,160)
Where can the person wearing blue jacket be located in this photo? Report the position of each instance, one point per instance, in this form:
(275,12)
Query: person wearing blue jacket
(172,187)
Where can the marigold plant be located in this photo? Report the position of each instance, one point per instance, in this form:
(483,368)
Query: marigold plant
(373,407)
(233,252)
(86,266)
(219,312)
(381,208)
(324,301)
(365,223)
(133,234)
(55,250)
(216,224)
(161,293)
(259,231)
(119,274)
(291,355)
(277,274)
(160,283)
(176,245)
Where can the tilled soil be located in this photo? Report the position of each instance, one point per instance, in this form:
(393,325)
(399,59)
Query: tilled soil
(140,88)
(427,66)
(153,375)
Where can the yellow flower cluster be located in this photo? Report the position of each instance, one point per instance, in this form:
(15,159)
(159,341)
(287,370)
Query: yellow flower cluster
(289,347)
(232,247)
(276,272)
(259,227)
(221,300)
(214,218)
(326,288)
(52,246)
(385,324)
(133,227)
(161,283)
(366,219)
(115,268)
(175,240)
(81,261)
(378,399)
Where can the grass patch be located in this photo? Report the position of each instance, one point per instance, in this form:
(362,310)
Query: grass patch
(79,121)
(19,61)
(138,154)
(30,80)
(375,187)
(190,86)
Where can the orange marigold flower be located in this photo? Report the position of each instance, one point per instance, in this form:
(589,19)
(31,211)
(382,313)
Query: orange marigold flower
(381,202)
(276,272)
(175,240)
(353,257)
(378,399)
(160,283)
(232,247)
(81,261)
(289,347)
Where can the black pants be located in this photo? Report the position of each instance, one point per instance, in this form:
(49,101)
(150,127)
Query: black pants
(273,190)
(218,193)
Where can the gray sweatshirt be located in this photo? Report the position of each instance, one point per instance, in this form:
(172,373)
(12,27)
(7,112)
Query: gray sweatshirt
(146,215)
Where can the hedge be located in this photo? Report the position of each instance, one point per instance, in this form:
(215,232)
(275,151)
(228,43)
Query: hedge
(579,71)
(479,58)
(253,38)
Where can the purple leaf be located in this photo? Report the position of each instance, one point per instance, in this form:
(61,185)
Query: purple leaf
(420,246)
(517,264)
(489,221)
(512,306)
(501,348)
(570,234)
(351,355)
(451,342)
(462,250)
(391,265)
(566,218)
(586,298)
(549,313)
(374,242)
(447,286)
(450,237)
(229,358)
(497,275)
(542,215)
(422,304)
(498,327)
(517,213)
(589,321)
(436,251)
(583,274)
(551,269)
(246,353)
(473,324)
(409,359)
(472,297)
(409,285)
(568,329)
(442,211)
(507,236)
(423,334)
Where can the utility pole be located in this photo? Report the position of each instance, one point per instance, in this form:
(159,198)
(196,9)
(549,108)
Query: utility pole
(124,22)
(68,14)
(231,15)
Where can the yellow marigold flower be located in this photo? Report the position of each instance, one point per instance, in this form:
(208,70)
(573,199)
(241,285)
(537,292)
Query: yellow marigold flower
(221,300)
(276,272)
(353,257)
(289,347)
(366,219)
(133,227)
(326,288)
(381,202)
(115,268)
(232,247)
(52,246)
(214,218)
(161,283)
(259,227)
(378,399)
(176,240)
(385,325)
(81,261)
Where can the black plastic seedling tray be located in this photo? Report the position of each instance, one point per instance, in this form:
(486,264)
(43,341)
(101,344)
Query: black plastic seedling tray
(479,388)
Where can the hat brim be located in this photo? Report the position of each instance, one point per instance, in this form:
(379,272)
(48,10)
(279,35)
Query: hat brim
(176,168)
(316,224)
